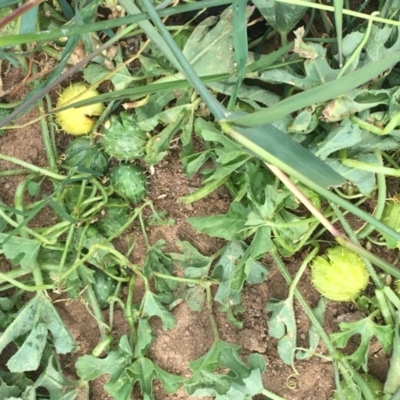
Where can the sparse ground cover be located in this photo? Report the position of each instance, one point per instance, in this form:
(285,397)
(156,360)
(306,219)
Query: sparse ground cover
(199,200)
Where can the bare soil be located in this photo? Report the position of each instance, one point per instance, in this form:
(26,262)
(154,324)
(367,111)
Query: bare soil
(174,349)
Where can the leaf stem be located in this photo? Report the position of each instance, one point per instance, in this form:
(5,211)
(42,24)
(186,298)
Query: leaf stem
(211,314)
(18,201)
(128,312)
(33,168)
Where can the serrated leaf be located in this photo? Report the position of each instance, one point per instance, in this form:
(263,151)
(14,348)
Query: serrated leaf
(195,298)
(120,79)
(175,119)
(210,46)
(143,371)
(224,271)
(151,306)
(282,326)
(16,384)
(124,373)
(7,392)
(229,226)
(317,71)
(313,334)
(20,251)
(376,48)
(354,102)
(344,136)
(157,261)
(364,180)
(210,360)
(282,16)
(58,386)
(33,345)
(239,381)
(144,338)
(367,329)
(119,385)
(194,263)
(101,258)
(37,317)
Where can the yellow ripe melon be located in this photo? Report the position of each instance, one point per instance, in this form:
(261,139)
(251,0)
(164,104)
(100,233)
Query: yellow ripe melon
(340,278)
(78,121)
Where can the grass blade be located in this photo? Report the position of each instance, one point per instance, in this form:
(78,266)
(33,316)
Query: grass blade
(240,45)
(277,148)
(338,6)
(217,109)
(74,30)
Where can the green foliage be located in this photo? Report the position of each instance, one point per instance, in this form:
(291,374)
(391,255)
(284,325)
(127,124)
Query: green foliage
(353,392)
(282,17)
(124,372)
(16,386)
(391,217)
(36,319)
(367,329)
(282,326)
(241,382)
(157,261)
(20,251)
(342,124)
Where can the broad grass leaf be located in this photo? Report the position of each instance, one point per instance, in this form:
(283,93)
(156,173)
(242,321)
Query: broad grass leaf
(278,148)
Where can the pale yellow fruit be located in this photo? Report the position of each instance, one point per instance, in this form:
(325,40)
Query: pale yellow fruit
(77,121)
(342,278)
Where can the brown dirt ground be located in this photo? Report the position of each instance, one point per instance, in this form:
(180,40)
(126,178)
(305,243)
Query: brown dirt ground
(174,349)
